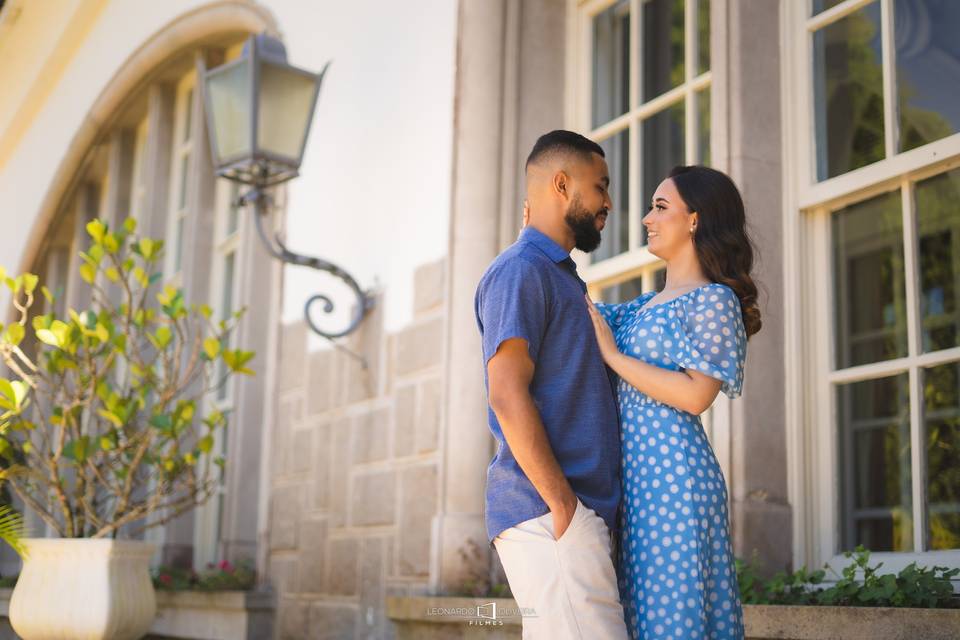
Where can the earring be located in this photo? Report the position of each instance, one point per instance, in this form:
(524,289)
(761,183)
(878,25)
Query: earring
(691,229)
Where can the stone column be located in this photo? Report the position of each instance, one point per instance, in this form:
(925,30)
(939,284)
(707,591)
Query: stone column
(745,54)
(510,75)
(474,240)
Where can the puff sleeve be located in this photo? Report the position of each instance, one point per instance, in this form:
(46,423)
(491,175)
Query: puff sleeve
(616,313)
(710,337)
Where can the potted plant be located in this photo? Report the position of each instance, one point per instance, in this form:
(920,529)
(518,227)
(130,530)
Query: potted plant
(102,434)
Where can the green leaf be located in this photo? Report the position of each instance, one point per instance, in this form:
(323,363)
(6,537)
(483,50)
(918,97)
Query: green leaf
(141,276)
(112,274)
(47,337)
(88,272)
(161,421)
(30,282)
(111,416)
(162,337)
(211,347)
(205,444)
(77,449)
(102,333)
(150,248)
(96,229)
(130,225)
(236,360)
(15,333)
(110,243)
(46,294)
(206,311)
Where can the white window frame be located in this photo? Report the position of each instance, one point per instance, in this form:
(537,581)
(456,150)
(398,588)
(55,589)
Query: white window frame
(636,261)
(181,149)
(811,375)
(138,183)
(208,529)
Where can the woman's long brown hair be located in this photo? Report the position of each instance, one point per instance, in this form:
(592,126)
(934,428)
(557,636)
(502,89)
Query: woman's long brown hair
(721,239)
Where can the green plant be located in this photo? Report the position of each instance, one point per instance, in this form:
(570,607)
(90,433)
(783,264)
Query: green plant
(858,584)
(101,424)
(478,582)
(221,577)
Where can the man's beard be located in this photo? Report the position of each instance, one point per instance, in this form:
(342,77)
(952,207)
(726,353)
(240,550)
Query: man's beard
(583,224)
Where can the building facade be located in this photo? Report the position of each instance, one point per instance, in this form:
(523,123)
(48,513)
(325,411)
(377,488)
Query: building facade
(358,472)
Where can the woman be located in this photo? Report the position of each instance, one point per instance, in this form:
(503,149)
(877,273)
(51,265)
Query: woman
(674,350)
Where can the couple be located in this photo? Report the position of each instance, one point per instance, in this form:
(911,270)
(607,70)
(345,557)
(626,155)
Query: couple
(587,459)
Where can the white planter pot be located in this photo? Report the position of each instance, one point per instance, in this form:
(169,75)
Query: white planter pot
(82,589)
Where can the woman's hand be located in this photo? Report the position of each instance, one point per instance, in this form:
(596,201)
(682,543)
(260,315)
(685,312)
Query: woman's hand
(608,345)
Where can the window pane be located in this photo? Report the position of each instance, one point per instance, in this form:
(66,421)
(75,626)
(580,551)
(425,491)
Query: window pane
(615,234)
(928,70)
(659,279)
(848,93)
(703,35)
(178,249)
(662,144)
(623,291)
(226,308)
(188,115)
(938,219)
(184,167)
(611,63)
(874,447)
(233,213)
(868,282)
(703,137)
(823,5)
(941,392)
(662,46)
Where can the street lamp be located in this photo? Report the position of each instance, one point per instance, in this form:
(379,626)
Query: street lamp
(259,110)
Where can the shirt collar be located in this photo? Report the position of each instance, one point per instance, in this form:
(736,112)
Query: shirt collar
(543,242)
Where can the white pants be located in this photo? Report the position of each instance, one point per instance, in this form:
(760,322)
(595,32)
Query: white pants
(569,584)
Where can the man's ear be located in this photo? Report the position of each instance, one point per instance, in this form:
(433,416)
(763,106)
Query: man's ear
(561,183)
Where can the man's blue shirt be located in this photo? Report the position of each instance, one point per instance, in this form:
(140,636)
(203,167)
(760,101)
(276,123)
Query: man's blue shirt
(532,291)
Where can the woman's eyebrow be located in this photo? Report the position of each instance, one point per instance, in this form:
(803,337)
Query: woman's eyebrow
(661,198)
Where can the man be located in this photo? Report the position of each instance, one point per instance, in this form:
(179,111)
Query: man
(553,487)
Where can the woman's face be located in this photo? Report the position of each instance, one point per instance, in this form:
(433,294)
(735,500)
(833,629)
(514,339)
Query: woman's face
(668,222)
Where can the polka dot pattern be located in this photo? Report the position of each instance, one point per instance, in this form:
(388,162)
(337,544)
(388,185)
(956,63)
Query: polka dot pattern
(676,573)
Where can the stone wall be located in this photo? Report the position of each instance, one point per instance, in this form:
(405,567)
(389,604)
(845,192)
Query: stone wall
(354,471)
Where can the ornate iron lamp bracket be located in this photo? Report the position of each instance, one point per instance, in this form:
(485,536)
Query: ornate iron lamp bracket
(275,246)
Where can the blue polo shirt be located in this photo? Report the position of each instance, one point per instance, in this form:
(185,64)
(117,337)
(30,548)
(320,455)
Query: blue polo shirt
(532,291)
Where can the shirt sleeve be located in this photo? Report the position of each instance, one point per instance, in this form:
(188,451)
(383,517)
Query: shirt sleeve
(511,302)
(711,338)
(616,313)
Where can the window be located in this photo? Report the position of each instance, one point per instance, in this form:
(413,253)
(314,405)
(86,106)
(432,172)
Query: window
(180,171)
(884,79)
(642,90)
(138,187)
(224,294)
(874,199)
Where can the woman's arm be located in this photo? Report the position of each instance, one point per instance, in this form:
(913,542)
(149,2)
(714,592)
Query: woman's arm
(688,391)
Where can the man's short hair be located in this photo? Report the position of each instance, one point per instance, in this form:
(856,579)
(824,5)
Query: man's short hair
(562,142)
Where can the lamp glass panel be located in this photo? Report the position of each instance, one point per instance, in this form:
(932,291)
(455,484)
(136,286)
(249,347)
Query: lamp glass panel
(229,98)
(286,101)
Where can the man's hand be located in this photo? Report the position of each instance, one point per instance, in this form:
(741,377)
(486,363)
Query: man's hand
(509,374)
(563,513)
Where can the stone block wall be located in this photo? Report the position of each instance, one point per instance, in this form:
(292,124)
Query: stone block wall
(354,471)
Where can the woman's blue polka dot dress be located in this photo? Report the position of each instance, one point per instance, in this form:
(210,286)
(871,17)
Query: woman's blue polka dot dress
(676,570)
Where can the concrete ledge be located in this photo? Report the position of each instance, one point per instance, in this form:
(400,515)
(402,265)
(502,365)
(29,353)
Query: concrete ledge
(196,615)
(440,618)
(876,623)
